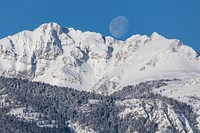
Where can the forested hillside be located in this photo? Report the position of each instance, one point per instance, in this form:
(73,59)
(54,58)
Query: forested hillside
(38,107)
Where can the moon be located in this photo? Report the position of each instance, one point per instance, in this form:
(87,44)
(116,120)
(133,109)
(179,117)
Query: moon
(119,26)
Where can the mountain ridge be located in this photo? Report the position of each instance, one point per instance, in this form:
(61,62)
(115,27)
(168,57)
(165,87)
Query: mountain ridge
(50,42)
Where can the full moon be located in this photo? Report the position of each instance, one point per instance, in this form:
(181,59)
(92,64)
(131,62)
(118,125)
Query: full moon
(119,26)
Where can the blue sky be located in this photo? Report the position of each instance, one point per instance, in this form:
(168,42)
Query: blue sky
(171,18)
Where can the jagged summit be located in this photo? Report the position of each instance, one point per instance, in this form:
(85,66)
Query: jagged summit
(50,25)
(156,35)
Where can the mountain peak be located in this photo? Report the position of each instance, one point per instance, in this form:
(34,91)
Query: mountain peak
(50,24)
(48,27)
(155,35)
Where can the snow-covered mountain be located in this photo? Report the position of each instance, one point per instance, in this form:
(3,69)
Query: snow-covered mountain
(91,62)
(87,60)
